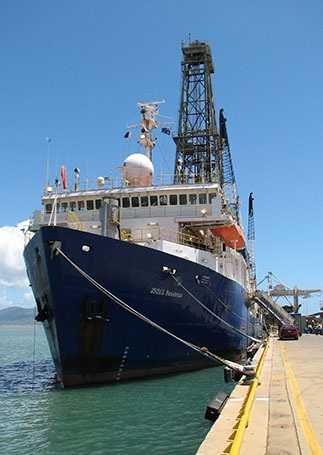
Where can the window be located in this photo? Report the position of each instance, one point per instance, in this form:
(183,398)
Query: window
(182,199)
(57,207)
(80,206)
(125,202)
(192,198)
(48,208)
(64,206)
(135,201)
(202,198)
(97,204)
(163,199)
(211,196)
(89,205)
(144,201)
(153,200)
(72,206)
(173,199)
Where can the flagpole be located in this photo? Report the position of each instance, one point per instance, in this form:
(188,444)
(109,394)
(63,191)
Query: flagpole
(47,164)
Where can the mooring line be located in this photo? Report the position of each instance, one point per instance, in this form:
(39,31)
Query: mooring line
(226,306)
(212,313)
(248,371)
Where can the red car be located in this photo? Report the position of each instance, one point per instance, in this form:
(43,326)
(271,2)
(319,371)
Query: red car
(288,331)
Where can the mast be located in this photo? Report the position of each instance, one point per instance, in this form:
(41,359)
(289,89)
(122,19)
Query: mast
(197,140)
(149,112)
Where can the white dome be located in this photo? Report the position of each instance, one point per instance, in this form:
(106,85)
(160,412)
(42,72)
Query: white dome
(138,170)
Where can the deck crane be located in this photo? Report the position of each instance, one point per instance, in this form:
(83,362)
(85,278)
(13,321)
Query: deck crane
(251,243)
(228,180)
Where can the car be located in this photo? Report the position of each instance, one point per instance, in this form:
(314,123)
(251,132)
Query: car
(288,331)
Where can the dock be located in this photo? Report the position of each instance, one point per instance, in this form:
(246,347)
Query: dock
(286,414)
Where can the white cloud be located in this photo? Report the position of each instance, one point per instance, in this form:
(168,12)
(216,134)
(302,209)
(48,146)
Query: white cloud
(12,267)
(5,301)
(29,296)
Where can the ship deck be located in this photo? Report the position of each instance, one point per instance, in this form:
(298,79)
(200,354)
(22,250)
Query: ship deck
(286,416)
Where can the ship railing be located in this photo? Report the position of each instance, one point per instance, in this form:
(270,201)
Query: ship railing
(74,222)
(108,183)
(153,233)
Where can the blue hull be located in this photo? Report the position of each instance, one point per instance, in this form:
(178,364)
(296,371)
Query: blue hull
(92,339)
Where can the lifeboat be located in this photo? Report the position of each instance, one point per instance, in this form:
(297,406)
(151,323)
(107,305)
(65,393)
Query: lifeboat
(231,235)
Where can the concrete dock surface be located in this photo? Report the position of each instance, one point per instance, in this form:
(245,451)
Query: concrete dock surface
(287,413)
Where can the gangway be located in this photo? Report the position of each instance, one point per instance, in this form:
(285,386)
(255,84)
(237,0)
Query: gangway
(266,302)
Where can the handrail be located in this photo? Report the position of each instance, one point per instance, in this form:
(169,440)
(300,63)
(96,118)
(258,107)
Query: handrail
(119,182)
(162,233)
(74,221)
(244,415)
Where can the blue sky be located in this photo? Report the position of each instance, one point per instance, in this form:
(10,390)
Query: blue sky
(74,71)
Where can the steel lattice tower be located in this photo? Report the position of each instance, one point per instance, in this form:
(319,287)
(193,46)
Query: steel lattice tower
(197,140)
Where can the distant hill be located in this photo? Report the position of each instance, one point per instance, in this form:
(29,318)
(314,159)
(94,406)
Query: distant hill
(17,315)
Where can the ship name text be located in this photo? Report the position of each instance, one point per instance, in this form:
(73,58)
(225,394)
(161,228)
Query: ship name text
(166,292)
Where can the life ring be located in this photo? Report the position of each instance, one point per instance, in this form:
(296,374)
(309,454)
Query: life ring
(63,172)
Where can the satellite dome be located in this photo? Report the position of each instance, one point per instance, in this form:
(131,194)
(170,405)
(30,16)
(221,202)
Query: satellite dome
(138,170)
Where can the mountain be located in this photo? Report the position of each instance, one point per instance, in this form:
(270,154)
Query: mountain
(17,315)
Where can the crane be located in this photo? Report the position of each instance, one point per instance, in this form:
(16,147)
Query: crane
(251,243)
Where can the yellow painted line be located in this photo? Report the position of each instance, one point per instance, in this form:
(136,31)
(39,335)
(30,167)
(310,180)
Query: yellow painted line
(303,417)
(244,415)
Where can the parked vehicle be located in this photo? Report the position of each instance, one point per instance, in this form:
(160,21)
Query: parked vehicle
(288,331)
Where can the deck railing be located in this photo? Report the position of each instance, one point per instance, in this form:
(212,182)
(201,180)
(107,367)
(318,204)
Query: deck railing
(150,233)
(119,182)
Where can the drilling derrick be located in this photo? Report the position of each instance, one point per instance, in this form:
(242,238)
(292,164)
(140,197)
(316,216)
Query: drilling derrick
(197,140)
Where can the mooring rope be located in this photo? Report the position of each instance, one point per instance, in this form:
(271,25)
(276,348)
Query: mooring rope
(202,350)
(226,306)
(212,313)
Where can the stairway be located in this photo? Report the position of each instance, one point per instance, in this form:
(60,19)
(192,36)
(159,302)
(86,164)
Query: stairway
(266,302)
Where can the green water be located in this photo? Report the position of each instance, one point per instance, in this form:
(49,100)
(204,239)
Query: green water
(155,416)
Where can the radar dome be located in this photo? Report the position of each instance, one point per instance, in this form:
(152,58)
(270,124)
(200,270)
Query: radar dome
(138,170)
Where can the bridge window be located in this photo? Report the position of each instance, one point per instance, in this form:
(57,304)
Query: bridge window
(97,204)
(125,202)
(144,201)
(211,196)
(202,198)
(57,207)
(182,199)
(72,206)
(135,201)
(64,206)
(48,208)
(192,198)
(153,200)
(80,206)
(173,199)
(163,199)
(89,205)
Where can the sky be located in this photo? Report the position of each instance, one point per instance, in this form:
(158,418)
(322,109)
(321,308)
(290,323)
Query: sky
(73,71)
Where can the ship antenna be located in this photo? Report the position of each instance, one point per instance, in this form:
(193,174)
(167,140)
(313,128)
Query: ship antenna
(47,162)
(149,112)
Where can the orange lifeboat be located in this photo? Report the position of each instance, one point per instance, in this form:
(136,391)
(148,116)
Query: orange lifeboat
(232,235)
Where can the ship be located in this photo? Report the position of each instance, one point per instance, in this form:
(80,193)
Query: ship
(143,274)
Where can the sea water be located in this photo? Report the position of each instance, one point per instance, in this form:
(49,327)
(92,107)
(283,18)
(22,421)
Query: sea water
(153,416)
